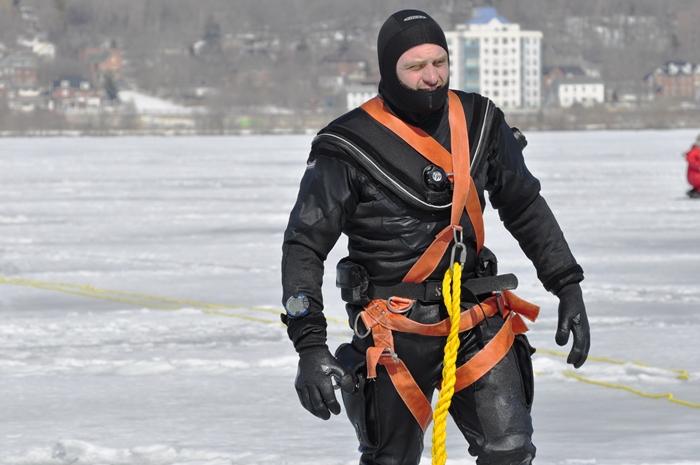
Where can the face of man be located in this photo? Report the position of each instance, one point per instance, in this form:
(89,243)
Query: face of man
(423,67)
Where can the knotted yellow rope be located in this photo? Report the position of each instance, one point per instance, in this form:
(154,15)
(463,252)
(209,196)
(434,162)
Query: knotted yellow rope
(451,282)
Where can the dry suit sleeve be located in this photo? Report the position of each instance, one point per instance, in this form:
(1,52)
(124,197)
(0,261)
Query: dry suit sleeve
(515,193)
(327,196)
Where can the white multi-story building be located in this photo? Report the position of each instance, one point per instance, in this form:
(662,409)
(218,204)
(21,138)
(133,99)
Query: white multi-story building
(495,58)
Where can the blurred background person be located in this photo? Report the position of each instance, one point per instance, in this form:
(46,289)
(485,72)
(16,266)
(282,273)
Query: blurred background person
(692,156)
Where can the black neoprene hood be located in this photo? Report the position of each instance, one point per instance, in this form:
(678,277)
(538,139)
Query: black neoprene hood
(401,31)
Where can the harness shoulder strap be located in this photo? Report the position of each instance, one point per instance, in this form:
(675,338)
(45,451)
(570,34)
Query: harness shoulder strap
(464,195)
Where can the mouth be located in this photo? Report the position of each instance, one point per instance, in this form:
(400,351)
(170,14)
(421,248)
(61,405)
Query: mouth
(431,89)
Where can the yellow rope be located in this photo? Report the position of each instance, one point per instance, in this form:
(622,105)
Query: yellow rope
(451,302)
(451,282)
(154,302)
(665,396)
(681,374)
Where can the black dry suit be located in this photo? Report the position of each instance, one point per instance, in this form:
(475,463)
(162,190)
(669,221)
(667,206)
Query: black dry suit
(363,181)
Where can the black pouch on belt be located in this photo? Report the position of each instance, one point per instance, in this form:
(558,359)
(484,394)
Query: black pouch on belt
(353,281)
(487,263)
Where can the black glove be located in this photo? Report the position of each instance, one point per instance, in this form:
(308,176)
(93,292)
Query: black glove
(572,318)
(314,385)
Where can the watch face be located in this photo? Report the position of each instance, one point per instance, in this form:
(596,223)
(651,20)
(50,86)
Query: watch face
(297,305)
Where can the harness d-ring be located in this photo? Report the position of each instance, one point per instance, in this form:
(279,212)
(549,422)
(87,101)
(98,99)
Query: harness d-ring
(403,304)
(357,332)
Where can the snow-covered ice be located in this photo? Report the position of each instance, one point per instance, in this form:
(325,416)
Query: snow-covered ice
(145,330)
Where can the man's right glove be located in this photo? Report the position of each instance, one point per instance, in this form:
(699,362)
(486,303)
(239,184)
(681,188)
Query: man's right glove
(313,382)
(572,318)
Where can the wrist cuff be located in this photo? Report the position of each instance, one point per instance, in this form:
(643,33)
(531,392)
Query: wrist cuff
(306,332)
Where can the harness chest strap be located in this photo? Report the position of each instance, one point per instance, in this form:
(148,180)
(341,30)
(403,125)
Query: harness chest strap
(381,321)
(464,195)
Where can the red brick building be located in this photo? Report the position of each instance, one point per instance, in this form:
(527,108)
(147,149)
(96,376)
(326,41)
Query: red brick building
(74,93)
(675,79)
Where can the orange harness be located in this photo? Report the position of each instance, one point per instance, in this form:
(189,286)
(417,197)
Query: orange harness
(381,317)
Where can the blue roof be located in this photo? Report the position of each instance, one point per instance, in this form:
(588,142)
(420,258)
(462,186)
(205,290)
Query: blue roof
(484,14)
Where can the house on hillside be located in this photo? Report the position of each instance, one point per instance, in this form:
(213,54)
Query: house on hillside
(26,100)
(359,93)
(19,69)
(342,67)
(675,79)
(73,93)
(579,90)
(554,76)
(103,61)
(39,47)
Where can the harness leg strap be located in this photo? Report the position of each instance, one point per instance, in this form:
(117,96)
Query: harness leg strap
(492,353)
(409,391)
(382,353)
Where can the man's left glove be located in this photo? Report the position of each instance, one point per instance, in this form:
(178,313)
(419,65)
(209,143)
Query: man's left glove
(313,382)
(572,318)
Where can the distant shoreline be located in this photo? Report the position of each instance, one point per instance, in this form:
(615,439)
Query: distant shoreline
(308,132)
(614,117)
(599,118)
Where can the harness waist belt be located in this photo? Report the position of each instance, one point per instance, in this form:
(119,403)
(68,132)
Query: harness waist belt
(431,291)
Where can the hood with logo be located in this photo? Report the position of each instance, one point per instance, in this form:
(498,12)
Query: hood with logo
(401,31)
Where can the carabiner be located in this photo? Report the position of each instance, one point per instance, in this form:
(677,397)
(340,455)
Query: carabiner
(462,254)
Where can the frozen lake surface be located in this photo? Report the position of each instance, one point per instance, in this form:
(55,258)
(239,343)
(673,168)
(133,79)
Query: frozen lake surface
(138,314)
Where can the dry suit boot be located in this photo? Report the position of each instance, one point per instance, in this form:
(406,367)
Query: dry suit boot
(493,414)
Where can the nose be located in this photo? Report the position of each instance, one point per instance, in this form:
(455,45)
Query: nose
(430,76)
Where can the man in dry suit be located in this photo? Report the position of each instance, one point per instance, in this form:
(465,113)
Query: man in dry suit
(404,178)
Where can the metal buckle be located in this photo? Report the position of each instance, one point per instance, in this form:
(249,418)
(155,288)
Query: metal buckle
(390,353)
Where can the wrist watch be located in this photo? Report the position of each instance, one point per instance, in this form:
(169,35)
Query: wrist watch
(297,306)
